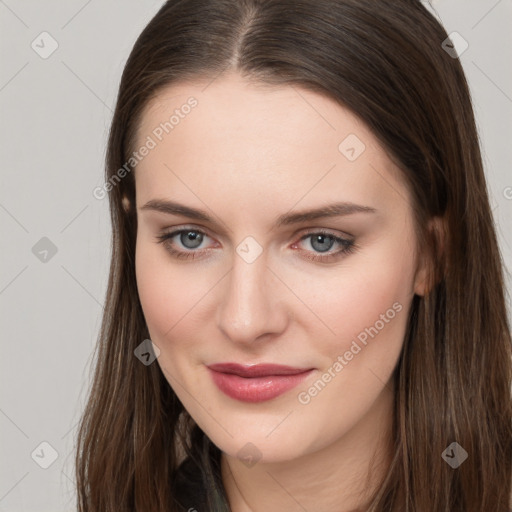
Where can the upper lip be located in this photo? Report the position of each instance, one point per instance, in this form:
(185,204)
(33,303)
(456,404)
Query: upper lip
(256,370)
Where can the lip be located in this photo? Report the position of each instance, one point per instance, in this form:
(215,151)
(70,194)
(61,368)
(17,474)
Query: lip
(256,383)
(256,370)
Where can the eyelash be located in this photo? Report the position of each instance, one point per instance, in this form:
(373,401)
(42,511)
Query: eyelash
(348,245)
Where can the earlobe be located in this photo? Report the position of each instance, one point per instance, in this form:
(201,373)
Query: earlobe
(421,285)
(431,257)
(126,204)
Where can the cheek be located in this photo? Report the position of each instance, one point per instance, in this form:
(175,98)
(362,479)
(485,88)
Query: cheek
(163,292)
(172,296)
(167,297)
(366,304)
(366,300)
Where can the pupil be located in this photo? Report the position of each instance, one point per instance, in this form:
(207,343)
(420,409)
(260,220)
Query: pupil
(322,239)
(191,236)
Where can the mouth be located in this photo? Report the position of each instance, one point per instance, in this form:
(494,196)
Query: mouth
(256,383)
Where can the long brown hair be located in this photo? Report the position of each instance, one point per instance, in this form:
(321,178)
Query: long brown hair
(384,61)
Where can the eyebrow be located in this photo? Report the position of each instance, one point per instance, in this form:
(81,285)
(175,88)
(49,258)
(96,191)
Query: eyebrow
(332,210)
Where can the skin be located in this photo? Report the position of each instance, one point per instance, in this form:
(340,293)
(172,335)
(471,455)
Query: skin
(246,154)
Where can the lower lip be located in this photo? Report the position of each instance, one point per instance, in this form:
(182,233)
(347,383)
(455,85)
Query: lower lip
(256,389)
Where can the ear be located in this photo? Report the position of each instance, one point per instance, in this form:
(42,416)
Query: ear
(430,257)
(126,204)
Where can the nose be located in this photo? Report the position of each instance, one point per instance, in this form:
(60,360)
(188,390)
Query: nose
(251,305)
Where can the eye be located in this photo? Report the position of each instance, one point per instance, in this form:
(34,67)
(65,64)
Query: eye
(190,239)
(321,242)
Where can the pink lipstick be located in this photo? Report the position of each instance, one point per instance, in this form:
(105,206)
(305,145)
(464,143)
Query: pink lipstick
(256,383)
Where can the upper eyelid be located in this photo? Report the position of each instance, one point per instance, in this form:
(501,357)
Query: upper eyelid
(304,231)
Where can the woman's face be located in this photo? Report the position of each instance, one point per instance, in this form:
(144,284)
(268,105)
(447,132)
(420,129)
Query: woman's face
(253,279)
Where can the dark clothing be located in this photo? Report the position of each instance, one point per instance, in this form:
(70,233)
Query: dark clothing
(197,485)
(189,488)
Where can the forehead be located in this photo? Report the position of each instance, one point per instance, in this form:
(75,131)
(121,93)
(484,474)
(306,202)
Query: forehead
(267,113)
(261,141)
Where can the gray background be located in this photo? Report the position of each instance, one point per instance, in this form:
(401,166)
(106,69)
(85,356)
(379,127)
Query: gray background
(55,113)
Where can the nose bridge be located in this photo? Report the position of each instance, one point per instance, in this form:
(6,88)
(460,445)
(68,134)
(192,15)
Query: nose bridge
(249,306)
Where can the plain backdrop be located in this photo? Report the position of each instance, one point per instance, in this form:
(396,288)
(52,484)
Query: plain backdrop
(55,110)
